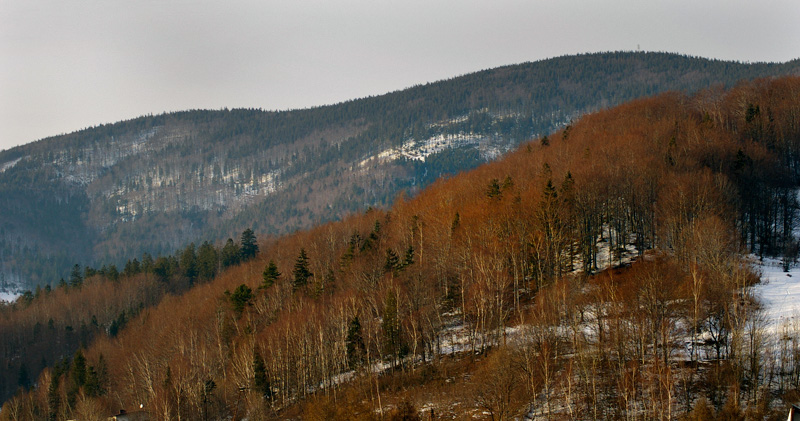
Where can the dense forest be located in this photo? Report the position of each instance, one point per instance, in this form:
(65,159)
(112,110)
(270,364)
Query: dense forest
(603,271)
(157,183)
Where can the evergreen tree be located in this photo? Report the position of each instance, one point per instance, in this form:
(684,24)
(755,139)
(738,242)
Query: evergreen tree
(355,344)
(147,263)
(270,275)
(408,259)
(23,379)
(162,269)
(207,261)
(188,263)
(392,263)
(249,247)
(240,298)
(230,254)
(260,381)
(53,397)
(301,271)
(75,277)
(78,369)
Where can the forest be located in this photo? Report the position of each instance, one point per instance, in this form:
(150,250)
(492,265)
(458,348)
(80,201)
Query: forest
(603,271)
(157,183)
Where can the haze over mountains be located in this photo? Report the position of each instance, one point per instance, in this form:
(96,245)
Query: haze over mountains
(156,183)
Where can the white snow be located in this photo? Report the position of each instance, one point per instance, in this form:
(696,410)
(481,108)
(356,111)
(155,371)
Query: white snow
(9,164)
(779,293)
(9,296)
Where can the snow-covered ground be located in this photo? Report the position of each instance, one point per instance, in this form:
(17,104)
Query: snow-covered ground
(9,296)
(779,292)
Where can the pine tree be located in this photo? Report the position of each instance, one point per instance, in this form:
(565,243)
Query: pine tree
(270,275)
(188,263)
(230,253)
(241,297)
(260,381)
(75,277)
(301,271)
(249,247)
(392,263)
(207,260)
(355,344)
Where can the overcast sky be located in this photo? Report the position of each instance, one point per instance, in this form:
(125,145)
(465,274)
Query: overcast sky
(70,64)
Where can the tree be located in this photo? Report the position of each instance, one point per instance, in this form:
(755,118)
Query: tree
(75,277)
(301,271)
(270,275)
(162,269)
(230,254)
(355,344)
(207,261)
(188,263)
(249,247)
(240,298)
(392,340)
(260,381)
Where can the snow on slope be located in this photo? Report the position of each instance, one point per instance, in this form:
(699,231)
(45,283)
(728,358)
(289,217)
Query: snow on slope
(779,292)
(8,296)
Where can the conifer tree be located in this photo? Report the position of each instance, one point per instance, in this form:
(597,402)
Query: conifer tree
(301,271)
(355,344)
(270,275)
(249,245)
(230,254)
(260,381)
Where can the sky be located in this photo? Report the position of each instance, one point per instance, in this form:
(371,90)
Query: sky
(70,64)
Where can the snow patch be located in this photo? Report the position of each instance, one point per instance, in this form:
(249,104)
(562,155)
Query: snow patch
(9,164)
(779,293)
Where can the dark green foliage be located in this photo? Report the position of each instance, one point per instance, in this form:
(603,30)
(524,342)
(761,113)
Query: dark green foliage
(230,254)
(163,269)
(249,245)
(493,190)
(355,344)
(301,271)
(23,378)
(408,259)
(260,382)
(270,275)
(132,267)
(53,399)
(78,369)
(207,261)
(241,297)
(188,263)
(75,277)
(392,263)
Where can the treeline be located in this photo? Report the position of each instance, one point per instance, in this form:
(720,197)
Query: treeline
(46,326)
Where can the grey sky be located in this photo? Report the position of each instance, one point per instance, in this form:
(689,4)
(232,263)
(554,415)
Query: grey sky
(70,64)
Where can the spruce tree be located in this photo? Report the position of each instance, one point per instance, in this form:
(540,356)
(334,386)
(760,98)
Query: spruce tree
(230,254)
(301,271)
(355,344)
(270,275)
(249,245)
(260,381)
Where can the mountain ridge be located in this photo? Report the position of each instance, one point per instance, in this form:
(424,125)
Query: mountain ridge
(156,183)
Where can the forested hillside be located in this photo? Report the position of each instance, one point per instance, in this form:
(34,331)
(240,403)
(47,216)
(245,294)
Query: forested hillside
(599,272)
(154,184)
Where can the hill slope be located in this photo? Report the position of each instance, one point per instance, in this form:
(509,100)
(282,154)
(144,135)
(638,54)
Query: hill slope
(487,292)
(154,184)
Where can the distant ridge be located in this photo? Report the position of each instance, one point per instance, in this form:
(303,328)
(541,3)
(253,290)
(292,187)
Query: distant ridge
(155,183)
